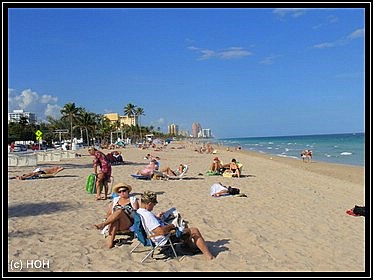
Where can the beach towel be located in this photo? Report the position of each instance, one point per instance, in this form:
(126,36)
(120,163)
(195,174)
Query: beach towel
(213,173)
(141,177)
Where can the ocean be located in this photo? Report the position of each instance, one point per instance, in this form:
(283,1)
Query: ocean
(347,148)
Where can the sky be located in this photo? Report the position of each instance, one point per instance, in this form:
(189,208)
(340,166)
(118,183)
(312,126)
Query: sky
(241,72)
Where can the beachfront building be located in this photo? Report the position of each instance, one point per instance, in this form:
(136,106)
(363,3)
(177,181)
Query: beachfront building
(123,120)
(196,128)
(206,133)
(184,133)
(173,129)
(16,115)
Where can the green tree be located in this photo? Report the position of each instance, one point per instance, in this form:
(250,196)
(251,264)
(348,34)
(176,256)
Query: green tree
(129,110)
(72,113)
(87,121)
(139,112)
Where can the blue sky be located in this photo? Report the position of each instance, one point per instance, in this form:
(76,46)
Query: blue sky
(240,72)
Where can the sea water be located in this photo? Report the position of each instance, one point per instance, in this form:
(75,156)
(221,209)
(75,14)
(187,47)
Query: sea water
(348,148)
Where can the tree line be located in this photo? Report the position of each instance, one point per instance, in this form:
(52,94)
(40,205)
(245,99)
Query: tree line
(80,123)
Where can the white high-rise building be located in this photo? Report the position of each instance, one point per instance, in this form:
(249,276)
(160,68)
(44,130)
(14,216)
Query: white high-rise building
(18,114)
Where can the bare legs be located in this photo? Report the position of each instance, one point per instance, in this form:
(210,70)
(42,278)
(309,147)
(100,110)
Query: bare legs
(53,170)
(118,221)
(168,171)
(101,178)
(197,239)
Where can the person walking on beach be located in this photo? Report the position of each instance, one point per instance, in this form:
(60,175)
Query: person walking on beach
(102,177)
(191,236)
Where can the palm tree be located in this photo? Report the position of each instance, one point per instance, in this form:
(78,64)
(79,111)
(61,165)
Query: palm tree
(129,110)
(87,122)
(139,112)
(72,113)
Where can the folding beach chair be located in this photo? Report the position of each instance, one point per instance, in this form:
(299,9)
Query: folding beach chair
(143,235)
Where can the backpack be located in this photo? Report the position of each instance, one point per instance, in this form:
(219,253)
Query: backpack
(90,186)
(139,229)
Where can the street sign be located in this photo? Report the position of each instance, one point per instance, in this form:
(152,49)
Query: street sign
(38,138)
(39,133)
(61,131)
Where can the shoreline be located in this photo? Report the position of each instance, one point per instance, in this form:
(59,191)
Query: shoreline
(287,222)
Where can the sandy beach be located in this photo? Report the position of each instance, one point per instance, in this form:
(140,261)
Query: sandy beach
(293,218)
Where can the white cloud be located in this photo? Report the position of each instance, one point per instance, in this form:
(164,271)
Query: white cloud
(230,53)
(324,45)
(269,59)
(359,33)
(356,34)
(293,12)
(30,101)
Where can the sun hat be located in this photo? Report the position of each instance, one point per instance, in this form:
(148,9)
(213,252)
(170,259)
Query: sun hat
(119,186)
(149,196)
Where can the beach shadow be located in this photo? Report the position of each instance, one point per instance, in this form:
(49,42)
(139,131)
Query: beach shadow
(34,209)
(21,234)
(247,176)
(58,176)
(136,163)
(186,179)
(218,246)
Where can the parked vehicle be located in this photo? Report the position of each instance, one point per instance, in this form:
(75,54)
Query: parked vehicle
(20,148)
(38,147)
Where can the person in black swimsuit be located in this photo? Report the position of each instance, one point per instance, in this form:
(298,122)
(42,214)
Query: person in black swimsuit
(118,216)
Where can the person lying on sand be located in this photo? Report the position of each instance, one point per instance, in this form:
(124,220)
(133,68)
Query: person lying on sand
(38,171)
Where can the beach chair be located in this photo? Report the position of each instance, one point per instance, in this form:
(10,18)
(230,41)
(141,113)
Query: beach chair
(143,236)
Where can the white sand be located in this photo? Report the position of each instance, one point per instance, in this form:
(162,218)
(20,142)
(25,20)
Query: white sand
(293,218)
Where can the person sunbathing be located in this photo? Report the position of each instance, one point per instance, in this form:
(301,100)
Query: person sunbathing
(119,216)
(149,169)
(38,172)
(234,168)
(171,172)
(216,165)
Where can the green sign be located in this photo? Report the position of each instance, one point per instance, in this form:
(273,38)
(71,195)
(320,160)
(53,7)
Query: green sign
(38,138)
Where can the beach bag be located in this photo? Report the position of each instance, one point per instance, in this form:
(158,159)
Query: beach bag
(90,186)
(233,190)
(359,210)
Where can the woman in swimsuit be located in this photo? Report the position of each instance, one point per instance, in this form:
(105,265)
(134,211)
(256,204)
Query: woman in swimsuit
(233,167)
(120,213)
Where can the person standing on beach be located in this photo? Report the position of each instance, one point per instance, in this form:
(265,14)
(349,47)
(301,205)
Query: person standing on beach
(105,173)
